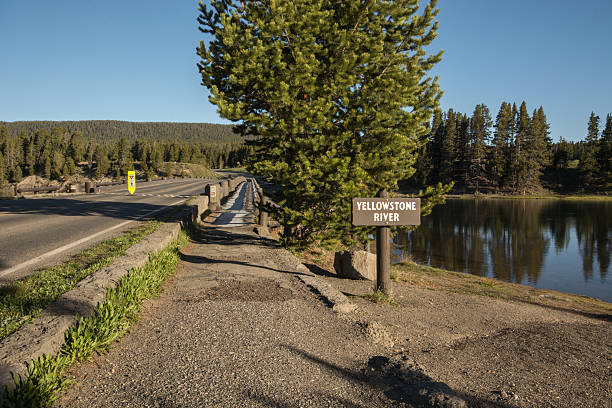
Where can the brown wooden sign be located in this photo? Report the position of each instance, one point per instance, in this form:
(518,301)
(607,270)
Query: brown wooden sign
(386,211)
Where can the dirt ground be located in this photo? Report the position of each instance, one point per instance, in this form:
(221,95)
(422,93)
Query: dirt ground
(493,352)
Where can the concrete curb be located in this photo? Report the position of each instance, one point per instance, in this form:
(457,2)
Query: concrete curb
(45,334)
(336,299)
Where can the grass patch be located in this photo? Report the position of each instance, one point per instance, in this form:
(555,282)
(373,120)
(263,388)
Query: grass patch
(24,299)
(96,333)
(464,283)
(380,297)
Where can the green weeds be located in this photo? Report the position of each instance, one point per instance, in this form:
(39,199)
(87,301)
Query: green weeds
(24,299)
(380,297)
(96,333)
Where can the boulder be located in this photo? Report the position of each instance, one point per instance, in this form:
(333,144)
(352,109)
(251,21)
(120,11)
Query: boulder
(355,264)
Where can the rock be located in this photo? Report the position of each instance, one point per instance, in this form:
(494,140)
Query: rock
(355,264)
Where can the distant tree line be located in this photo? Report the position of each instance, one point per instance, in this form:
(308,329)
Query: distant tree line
(114,129)
(512,154)
(56,154)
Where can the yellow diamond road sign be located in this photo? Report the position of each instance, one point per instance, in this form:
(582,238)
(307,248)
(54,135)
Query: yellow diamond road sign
(131,181)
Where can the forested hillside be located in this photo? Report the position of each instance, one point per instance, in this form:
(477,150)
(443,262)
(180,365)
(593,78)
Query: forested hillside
(109,130)
(56,152)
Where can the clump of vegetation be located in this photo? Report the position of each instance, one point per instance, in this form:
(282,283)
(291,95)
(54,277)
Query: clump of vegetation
(24,299)
(110,320)
(380,297)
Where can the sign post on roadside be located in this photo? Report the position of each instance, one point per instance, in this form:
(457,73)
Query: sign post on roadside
(131,181)
(384,212)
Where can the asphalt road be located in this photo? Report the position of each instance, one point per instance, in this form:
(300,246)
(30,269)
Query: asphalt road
(36,233)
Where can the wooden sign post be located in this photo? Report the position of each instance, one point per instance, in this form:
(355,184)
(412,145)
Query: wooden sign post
(384,212)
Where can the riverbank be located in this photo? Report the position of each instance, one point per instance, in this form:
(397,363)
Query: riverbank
(531,197)
(497,344)
(410,273)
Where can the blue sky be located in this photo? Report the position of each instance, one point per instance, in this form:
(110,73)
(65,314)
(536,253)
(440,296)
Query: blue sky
(135,60)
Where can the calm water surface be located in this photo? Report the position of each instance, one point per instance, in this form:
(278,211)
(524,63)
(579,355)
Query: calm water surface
(563,245)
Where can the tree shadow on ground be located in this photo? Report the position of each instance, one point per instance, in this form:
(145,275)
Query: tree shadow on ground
(211,235)
(198,259)
(75,207)
(317,270)
(403,382)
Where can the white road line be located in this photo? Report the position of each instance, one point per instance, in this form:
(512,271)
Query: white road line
(75,243)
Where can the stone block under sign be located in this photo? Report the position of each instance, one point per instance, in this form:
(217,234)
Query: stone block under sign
(386,211)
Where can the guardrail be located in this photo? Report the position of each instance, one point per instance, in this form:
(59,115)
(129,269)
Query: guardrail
(264,205)
(38,189)
(89,186)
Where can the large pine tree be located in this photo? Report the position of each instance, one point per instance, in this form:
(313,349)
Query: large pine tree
(337,95)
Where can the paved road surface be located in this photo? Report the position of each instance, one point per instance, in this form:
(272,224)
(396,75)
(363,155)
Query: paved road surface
(35,232)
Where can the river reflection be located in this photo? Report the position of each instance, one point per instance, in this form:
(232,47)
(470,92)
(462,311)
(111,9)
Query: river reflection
(553,244)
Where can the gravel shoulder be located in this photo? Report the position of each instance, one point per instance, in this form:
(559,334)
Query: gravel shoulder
(235,327)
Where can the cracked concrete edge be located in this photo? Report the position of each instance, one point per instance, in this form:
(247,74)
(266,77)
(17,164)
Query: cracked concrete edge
(332,296)
(45,334)
(336,299)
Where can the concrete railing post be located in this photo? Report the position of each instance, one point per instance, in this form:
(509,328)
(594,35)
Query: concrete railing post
(213,192)
(263,214)
(224,188)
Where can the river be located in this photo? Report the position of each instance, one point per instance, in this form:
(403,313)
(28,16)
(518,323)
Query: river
(563,245)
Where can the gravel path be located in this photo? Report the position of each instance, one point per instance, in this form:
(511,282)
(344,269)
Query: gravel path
(236,328)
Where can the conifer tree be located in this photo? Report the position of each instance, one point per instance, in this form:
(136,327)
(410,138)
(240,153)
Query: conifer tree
(519,156)
(423,165)
(480,133)
(501,144)
(46,165)
(605,152)
(57,164)
(156,157)
(16,174)
(336,95)
(449,148)
(436,137)
(537,148)
(588,158)
(2,170)
(76,147)
(69,168)
(28,155)
(463,149)
(562,154)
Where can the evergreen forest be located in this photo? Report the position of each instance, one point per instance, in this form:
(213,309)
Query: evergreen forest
(513,153)
(56,150)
